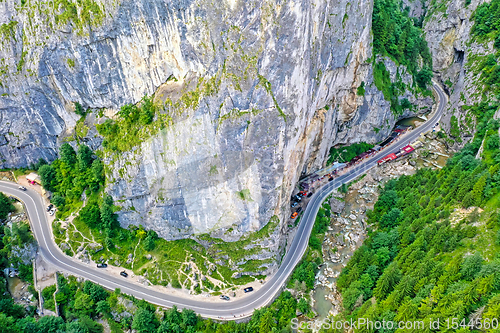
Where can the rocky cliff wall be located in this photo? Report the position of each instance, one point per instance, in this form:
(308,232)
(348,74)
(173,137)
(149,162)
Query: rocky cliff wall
(448,26)
(286,72)
(231,163)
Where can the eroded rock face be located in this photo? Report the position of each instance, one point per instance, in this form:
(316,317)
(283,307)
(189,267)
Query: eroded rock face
(449,40)
(287,73)
(448,32)
(233,160)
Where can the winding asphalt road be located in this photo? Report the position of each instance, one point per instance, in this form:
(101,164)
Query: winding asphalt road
(237,307)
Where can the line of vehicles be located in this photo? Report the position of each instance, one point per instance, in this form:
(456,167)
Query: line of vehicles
(51,209)
(397,132)
(296,199)
(104,265)
(125,274)
(226,298)
(391,157)
(336,168)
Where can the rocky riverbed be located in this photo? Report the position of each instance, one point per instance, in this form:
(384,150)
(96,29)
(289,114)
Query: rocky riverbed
(18,289)
(347,230)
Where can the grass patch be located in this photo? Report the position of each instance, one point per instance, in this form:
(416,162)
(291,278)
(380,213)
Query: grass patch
(168,258)
(347,153)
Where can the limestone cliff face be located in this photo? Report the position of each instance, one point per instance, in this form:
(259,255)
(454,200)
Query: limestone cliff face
(448,36)
(232,161)
(286,73)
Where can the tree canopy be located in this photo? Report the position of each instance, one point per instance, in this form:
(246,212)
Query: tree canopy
(5,206)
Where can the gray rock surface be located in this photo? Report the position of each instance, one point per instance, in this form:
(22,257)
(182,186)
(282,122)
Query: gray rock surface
(417,8)
(337,205)
(448,36)
(229,161)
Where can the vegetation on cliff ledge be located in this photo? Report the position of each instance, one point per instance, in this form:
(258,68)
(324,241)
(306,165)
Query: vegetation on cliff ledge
(82,14)
(133,124)
(487,28)
(485,72)
(347,153)
(487,22)
(396,36)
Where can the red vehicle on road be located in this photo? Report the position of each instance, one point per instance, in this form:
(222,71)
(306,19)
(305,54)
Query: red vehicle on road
(389,157)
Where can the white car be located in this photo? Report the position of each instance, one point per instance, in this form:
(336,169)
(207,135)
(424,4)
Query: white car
(52,211)
(22,188)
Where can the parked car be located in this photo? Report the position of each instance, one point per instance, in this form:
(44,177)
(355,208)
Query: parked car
(330,179)
(22,188)
(300,195)
(294,204)
(52,212)
(298,210)
(310,194)
(294,215)
(297,198)
(102,265)
(247,290)
(124,274)
(50,207)
(224,297)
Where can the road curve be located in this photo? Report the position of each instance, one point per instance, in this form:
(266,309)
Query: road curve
(237,307)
